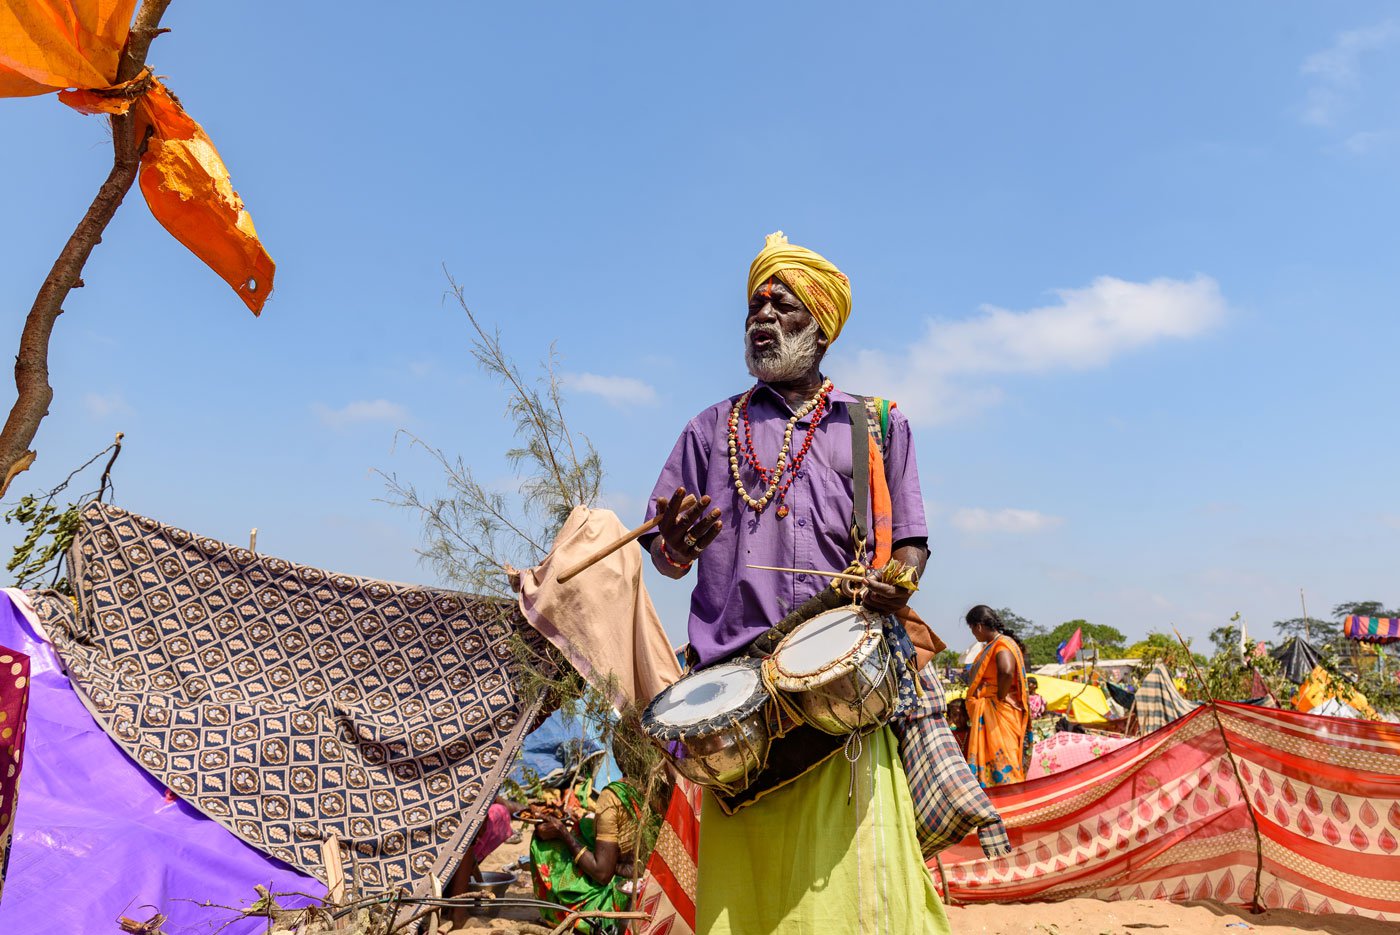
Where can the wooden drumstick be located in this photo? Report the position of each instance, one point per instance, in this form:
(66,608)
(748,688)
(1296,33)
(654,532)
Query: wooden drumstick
(838,575)
(612,547)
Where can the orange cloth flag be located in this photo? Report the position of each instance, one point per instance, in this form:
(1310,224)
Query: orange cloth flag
(53,45)
(49,45)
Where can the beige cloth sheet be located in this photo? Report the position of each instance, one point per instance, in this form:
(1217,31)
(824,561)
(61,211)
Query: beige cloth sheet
(602,619)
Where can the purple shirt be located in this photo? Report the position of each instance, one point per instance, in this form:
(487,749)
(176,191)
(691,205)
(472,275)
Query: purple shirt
(732,604)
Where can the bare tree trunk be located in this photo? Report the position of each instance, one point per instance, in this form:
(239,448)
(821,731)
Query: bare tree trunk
(32,361)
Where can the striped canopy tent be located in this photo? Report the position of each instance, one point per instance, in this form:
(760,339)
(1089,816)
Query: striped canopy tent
(1372,629)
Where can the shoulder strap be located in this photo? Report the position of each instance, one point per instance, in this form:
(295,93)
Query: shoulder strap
(877,411)
(860,473)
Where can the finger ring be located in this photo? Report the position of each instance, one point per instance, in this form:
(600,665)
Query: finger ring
(690,543)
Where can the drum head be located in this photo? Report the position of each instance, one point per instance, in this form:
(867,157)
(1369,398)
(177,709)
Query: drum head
(718,694)
(809,651)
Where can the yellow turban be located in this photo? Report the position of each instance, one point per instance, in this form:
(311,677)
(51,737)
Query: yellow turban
(823,288)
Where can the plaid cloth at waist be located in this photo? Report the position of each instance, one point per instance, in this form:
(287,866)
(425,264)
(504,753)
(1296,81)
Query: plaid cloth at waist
(948,801)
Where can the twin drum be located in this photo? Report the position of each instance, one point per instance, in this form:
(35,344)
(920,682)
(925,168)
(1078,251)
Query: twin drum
(833,672)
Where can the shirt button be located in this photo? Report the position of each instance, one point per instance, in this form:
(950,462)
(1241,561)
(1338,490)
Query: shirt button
(802,522)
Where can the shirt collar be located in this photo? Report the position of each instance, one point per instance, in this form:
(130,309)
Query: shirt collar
(763,387)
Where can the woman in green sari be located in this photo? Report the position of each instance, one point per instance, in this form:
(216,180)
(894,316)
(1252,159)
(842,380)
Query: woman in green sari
(587,864)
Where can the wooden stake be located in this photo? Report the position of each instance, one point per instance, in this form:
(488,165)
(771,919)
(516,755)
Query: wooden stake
(435,890)
(335,870)
(609,549)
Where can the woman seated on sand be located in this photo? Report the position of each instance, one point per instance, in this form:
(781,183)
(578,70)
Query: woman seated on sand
(588,863)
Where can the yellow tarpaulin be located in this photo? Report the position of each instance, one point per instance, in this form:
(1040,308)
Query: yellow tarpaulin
(55,45)
(1081,703)
(1085,704)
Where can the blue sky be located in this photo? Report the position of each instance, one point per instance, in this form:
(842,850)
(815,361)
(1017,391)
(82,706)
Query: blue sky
(1129,268)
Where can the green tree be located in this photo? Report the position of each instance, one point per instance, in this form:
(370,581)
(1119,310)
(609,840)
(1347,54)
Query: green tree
(949,657)
(1225,638)
(475,534)
(1230,678)
(1041,647)
(1164,648)
(1300,626)
(1022,626)
(1362,609)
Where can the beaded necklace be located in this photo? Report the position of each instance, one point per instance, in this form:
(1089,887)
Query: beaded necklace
(817,407)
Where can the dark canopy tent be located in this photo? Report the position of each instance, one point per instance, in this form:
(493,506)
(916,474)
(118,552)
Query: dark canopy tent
(1298,658)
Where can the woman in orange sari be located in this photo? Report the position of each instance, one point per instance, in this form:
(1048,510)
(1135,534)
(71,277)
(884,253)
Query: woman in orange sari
(996,702)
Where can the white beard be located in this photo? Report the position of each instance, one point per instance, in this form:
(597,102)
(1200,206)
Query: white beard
(788,358)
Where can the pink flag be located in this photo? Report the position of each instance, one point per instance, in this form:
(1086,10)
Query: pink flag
(1070,647)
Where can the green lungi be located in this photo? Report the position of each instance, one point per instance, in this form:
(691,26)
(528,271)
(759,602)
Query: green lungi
(804,861)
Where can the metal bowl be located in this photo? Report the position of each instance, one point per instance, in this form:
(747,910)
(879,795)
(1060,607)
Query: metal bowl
(492,881)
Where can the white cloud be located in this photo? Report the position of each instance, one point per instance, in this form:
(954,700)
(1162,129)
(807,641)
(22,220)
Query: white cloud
(977,520)
(1367,141)
(617,391)
(102,405)
(1087,328)
(1336,71)
(364,410)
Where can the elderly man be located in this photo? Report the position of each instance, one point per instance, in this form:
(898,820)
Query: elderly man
(835,848)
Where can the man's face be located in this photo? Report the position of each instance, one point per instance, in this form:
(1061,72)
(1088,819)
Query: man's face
(782,341)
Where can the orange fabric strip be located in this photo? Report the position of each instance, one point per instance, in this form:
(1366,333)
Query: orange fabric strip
(49,45)
(187,187)
(53,45)
(881,511)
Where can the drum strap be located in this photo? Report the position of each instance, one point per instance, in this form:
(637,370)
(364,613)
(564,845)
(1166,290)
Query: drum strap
(860,475)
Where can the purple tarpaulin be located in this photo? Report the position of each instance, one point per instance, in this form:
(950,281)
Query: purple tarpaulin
(96,838)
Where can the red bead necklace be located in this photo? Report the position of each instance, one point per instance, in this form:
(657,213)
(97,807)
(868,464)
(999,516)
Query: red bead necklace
(818,407)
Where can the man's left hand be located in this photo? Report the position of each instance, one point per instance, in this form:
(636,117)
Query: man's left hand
(881,597)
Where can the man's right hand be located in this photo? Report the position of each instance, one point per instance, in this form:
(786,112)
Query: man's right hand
(686,531)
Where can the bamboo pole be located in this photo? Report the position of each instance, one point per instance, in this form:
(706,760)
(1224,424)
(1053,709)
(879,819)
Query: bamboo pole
(1211,703)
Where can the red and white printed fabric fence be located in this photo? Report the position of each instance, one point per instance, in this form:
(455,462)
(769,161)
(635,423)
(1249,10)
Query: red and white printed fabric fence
(1305,816)
(669,894)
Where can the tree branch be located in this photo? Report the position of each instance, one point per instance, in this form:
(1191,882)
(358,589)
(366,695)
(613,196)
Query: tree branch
(32,362)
